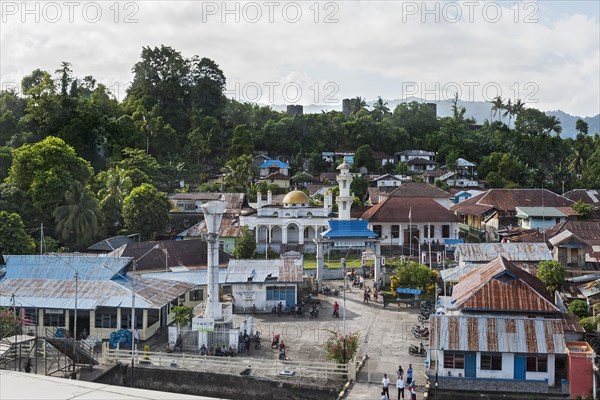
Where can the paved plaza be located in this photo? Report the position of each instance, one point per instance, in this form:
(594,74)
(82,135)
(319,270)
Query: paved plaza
(384,336)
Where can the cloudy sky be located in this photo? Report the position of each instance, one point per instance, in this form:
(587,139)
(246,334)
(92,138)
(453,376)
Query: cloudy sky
(319,52)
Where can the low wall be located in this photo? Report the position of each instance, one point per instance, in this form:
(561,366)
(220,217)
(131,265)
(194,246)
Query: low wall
(216,385)
(490,385)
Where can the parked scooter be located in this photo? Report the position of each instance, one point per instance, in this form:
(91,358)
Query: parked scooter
(314,311)
(423,316)
(420,332)
(256,339)
(326,290)
(298,312)
(282,355)
(415,350)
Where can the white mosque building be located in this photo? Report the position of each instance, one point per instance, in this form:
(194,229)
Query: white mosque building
(291,226)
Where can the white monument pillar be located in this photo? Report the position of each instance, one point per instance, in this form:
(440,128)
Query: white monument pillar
(213,213)
(344,200)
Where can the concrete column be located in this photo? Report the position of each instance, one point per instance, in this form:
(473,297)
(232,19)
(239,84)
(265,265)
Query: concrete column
(301,229)
(320,263)
(258,200)
(213,214)
(377,261)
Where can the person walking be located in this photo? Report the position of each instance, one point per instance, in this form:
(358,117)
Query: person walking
(413,393)
(336,310)
(400,386)
(409,374)
(365,297)
(385,383)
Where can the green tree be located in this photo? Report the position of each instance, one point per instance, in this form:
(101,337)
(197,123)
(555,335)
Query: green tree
(13,237)
(241,142)
(552,273)
(245,245)
(44,171)
(77,221)
(115,186)
(414,275)
(182,315)
(364,158)
(339,348)
(590,324)
(239,172)
(360,187)
(584,210)
(146,211)
(10,323)
(579,308)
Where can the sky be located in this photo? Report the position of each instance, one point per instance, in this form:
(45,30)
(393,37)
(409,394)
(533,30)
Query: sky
(546,53)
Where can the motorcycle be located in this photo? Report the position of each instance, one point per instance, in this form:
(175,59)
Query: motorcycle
(314,311)
(298,310)
(336,292)
(326,290)
(420,332)
(275,341)
(415,350)
(256,339)
(282,355)
(423,316)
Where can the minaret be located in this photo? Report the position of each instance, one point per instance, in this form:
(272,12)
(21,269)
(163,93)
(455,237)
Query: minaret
(344,200)
(213,213)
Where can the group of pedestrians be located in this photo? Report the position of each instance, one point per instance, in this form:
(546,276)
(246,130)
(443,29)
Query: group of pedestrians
(402,385)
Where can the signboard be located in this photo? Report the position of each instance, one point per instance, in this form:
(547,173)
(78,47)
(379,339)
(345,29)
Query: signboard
(348,243)
(203,324)
(248,296)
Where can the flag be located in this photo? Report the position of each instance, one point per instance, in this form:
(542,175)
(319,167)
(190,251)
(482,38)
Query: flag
(410,213)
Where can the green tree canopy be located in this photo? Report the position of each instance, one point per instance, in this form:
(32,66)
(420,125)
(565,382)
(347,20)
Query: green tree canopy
(78,220)
(579,308)
(552,273)
(414,275)
(45,171)
(146,211)
(13,238)
(245,245)
(584,210)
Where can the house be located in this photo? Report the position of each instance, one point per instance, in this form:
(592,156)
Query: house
(543,217)
(229,232)
(277,178)
(110,244)
(462,175)
(388,180)
(411,214)
(383,158)
(465,194)
(587,196)
(418,160)
(483,253)
(46,288)
(496,209)
(502,332)
(270,167)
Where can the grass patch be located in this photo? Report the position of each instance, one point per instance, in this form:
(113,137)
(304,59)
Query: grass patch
(352,261)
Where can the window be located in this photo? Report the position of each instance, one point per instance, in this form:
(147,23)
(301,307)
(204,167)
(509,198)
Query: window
(106,317)
(395,231)
(226,289)
(278,292)
(428,231)
(306,232)
(446,231)
(491,361)
(54,318)
(537,364)
(153,317)
(126,318)
(197,295)
(454,360)
(377,229)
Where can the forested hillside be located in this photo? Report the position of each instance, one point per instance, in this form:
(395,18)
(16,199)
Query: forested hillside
(87,166)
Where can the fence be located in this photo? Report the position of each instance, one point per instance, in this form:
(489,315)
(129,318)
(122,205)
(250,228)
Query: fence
(236,365)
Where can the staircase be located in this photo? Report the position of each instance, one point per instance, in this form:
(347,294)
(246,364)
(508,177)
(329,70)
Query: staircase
(81,354)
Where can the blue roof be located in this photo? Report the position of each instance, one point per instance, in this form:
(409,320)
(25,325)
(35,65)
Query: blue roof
(62,267)
(273,163)
(349,229)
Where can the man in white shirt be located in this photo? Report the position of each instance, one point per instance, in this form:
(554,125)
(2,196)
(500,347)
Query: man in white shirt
(385,382)
(400,386)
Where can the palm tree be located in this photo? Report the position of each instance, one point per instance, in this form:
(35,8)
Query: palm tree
(508,110)
(497,107)
(553,125)
(117,185)
(518,106)
(79,215)
(380,108)
(239,172)
(358,104)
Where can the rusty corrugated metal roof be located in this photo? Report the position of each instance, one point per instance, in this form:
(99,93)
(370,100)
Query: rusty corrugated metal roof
(505,200)
(497,334)
(502,286)
(485,252)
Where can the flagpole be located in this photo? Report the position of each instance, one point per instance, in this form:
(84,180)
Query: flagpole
(410,231)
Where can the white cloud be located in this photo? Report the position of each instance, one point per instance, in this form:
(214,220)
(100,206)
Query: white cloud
(373,49)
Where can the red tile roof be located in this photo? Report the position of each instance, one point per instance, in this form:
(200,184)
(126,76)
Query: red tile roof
(422,209)
(509,199)
(502,286)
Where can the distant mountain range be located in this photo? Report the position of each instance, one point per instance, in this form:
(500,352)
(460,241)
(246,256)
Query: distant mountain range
(479,110)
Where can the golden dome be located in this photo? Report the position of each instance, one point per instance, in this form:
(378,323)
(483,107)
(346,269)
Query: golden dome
(295,197)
